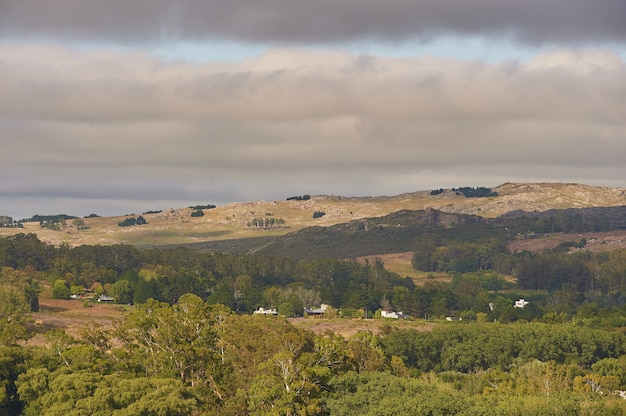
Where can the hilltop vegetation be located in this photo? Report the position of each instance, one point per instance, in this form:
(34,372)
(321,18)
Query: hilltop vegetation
(222,226)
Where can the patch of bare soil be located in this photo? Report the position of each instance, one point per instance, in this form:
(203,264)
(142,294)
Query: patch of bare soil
(71,316)
(348,327)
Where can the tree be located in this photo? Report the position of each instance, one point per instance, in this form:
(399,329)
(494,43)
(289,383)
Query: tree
(78,223)
(122,291)
(60,290)
(381,393)
(365,352)
(14,308)
(175,341)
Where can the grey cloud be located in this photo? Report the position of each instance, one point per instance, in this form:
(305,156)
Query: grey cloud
(113,132)
(320,21)
(287,85)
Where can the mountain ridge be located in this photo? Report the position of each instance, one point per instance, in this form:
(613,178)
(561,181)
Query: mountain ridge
(230,222)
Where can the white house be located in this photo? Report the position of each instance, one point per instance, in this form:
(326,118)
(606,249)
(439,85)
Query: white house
(263,311)
(520,303)
(393,315)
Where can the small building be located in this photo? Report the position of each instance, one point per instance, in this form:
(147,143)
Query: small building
(520,303)
(316,311)
(106,299)
(393,315)
(263,311)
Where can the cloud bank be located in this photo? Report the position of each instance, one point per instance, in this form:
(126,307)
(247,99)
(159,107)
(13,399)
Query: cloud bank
(320,21)
(123,126)
(92,121)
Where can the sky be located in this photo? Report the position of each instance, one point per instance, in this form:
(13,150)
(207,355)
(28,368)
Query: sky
(125,106)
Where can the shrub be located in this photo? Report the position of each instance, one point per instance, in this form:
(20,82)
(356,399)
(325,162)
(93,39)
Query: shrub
(299,198)
(201,207)
(132,221)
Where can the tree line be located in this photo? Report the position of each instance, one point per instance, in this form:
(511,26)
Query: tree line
(562,284)
(195,358)
(190,343)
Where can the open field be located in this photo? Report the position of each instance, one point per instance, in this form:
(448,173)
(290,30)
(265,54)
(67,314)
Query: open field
(401,263)
(349,327)
(73,316)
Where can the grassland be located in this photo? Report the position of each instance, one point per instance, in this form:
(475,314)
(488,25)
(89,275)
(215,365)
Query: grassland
(229,223)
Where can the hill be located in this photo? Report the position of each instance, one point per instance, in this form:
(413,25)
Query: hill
(234,227)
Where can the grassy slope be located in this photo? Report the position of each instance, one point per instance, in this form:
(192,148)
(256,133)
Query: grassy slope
(226,225)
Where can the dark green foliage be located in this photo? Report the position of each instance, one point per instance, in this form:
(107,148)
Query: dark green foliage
(436,191)
(145,290)
(398,232)
(153,212)
(376,393)
(299,198)
(93,216)
(266,223)
(128,222)
(474,347)
(479,192)
(49,218)
(122,291)
(12,364)
(201,207)
(60,290)
(197,213)
(8,222)
(552,272)
(476,267)
(23,250)
(318,214)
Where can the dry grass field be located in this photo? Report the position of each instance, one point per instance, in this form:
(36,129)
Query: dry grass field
(348,327)
(176,226)
(72,316)
(401,263)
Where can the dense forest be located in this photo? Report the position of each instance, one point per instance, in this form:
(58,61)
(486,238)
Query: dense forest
(191,345)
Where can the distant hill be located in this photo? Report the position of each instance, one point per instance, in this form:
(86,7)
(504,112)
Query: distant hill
(253,226)
(404,231)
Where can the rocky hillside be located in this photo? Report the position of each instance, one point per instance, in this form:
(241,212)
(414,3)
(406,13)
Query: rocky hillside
(245,220)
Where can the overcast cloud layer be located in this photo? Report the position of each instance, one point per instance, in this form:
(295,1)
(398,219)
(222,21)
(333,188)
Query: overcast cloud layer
(109,131)
(305,21)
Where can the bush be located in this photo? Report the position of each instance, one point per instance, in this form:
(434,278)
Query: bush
(197,213)
(299,198)
(60,290)
(128,222)
(201,207)
(318,214)
(479,192)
